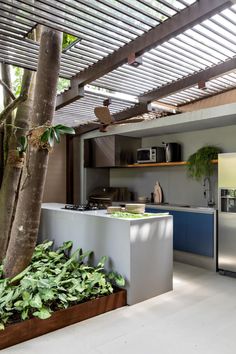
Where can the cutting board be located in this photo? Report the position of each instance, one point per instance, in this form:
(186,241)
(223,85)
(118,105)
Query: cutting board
(158,196)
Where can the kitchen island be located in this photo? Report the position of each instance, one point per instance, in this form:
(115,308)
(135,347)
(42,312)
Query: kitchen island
(139,249)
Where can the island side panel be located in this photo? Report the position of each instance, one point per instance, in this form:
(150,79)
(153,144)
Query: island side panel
(151,258)
(104,236)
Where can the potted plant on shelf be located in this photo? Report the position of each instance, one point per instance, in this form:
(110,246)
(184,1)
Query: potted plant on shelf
(54,291)
(199,164)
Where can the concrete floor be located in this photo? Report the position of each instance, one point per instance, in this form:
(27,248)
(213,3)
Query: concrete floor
(199,316)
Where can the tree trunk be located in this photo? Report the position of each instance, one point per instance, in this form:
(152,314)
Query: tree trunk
(25,226)
(14,166)
(6,78)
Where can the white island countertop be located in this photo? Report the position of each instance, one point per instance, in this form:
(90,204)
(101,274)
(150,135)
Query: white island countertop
(140,249)
(100,213)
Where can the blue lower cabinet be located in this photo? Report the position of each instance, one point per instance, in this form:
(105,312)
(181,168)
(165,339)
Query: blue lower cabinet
(179,230)
(192,232)
(200,231)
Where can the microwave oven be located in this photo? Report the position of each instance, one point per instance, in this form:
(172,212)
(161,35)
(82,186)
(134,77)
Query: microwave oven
(151,155)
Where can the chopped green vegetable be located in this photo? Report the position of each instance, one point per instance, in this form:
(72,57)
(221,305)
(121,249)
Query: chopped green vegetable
(126,215)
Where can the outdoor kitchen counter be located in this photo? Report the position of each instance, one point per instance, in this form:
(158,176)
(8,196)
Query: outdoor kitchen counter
(139,249)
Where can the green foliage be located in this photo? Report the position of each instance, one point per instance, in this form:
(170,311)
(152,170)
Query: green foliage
(62,84)
(17,79)
(53,281)
(199,164)
(68,40)
(52,134)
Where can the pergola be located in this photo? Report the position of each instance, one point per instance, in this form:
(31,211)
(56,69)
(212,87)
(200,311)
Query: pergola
(187,48)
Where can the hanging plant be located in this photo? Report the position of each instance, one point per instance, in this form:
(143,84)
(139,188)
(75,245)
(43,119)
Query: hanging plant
(200,163)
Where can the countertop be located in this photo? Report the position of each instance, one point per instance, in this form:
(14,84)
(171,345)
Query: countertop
(97,213)
(180,207)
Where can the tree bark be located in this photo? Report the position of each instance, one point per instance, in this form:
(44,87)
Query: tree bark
(7,99)
(25,226)
(13,170)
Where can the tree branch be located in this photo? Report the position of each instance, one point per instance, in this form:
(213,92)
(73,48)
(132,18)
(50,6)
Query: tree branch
(13,105)
(8,90)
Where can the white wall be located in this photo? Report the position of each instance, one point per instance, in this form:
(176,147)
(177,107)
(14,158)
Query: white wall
(177,187)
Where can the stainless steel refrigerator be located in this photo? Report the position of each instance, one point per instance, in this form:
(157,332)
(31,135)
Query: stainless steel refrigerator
(227,212)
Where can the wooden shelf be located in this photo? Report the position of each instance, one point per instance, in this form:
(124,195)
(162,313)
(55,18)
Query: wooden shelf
(163,164)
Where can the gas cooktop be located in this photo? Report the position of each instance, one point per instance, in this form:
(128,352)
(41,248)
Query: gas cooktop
(83,207)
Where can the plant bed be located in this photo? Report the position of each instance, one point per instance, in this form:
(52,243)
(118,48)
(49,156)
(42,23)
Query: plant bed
(34,327)
(56,289)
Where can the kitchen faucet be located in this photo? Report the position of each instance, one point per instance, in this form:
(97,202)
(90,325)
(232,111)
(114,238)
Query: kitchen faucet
(210,199)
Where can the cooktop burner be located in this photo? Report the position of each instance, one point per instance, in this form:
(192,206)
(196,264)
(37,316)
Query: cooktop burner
(83,207)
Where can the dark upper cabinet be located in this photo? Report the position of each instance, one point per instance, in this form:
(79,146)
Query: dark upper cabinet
(110,151)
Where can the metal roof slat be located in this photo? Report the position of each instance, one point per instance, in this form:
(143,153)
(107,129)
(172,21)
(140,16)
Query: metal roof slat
(203,47)
(76,26)
(84,21)
(178,47)
(95,15)
(176,59)
(45,19)
(158,59)
(134,5)
(160,7)
(195,51)
(138,30)
(213,43)
(135,15)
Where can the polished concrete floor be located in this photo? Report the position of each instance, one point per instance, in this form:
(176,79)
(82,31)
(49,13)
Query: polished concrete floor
(199,316)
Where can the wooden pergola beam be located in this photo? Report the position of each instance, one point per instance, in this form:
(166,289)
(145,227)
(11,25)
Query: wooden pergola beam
(187,18)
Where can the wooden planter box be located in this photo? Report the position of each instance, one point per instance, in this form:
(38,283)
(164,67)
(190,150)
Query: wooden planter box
(25,330)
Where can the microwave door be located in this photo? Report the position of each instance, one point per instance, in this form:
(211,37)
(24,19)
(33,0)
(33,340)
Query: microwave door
(143,155)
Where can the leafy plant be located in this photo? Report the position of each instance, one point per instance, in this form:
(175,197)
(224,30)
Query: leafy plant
(199,164)
(68,41)
(52,134)
(54,280)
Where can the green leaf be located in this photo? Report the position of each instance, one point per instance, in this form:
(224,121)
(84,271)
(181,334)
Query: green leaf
(45,136)
(102,262)
(26,296)
(36,302)
(56,133)
(47,295)
(66,246)
(25,314)
(64,129)
(43,313)
(2,326)
(51,137)
(116,278)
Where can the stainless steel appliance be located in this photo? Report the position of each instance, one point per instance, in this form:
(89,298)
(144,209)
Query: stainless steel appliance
(172,152)
(227,212)
(151,155)
(103,197)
